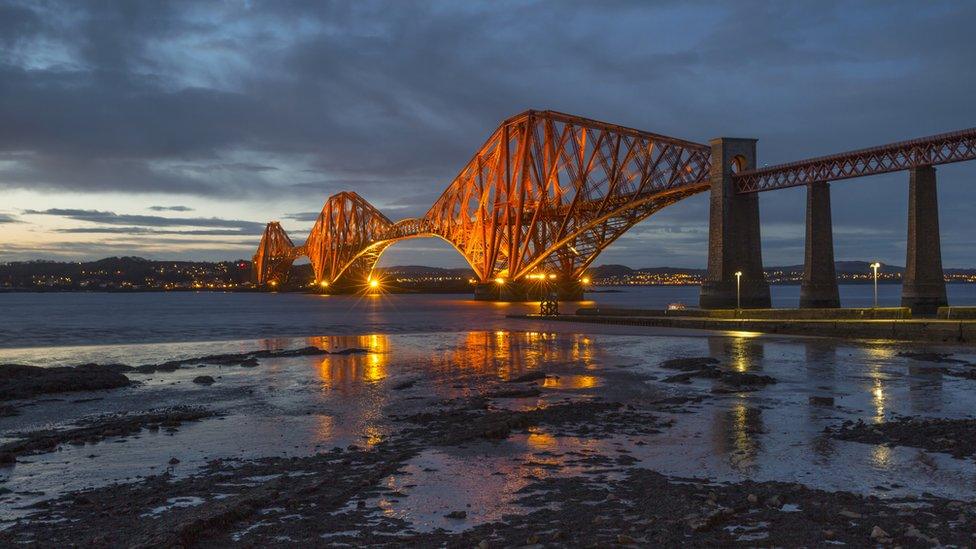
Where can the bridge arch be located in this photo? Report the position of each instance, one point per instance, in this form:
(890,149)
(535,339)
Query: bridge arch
(546,191)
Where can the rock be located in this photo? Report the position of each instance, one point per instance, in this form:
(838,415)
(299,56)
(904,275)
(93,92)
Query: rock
(706,522)
(774,502)
(532,540)
(689,364)
(351,351)
(829,534)
(752,498)
(203,380)
(515,393)
(624,539)
(404,385)
(878,534)
(173,461)
(19,381)
(531,376)
(822,401)
(456,515)
(851,514)
(483,544)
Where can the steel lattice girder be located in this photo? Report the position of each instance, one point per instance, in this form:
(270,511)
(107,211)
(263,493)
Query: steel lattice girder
(546,191)
(928,151)
(543,180)
(274,256)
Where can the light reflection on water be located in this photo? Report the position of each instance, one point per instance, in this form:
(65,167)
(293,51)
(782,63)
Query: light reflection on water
(301,405)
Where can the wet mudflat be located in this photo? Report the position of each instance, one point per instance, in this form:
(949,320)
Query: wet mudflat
(498,439)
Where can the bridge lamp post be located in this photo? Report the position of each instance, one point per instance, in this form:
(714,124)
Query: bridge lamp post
(875,267)
(499,281)
(738,288)
(324,284)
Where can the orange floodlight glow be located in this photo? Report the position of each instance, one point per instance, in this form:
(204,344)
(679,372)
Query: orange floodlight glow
(499,281)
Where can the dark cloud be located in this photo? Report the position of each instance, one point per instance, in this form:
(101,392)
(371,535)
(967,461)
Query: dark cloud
(171,208)
(308,98)
(7,218)
(303,216)
(133,231)
(112,218)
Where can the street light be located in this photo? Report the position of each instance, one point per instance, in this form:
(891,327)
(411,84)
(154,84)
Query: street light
(738,287)
(875,266)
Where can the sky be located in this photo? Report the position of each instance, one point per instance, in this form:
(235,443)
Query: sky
(176,130)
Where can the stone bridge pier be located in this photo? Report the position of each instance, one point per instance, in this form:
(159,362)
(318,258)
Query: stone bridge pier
(565,288)
(819,287)
(923,285)
(733,232)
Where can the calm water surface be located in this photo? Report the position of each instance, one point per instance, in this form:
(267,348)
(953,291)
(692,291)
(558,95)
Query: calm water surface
(58,319)
(451,347)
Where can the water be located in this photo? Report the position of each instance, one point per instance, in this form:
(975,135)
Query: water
(304,405)
(59,319)
(453,347)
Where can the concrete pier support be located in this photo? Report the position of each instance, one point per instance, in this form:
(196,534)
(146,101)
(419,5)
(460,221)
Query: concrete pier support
(819,287)
(733,232)
(486,291)
(529,290)
(923,286)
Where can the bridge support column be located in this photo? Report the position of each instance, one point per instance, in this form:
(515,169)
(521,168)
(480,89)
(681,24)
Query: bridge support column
(923,286)
(486,291)
(733,232)
(569,290)
(819,287)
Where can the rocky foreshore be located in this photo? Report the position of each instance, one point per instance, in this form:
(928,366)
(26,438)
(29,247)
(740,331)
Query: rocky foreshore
(586,482)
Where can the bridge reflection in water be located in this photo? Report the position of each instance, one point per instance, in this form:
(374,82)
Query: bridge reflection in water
(775,432)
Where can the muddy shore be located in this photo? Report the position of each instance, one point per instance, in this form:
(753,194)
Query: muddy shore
(583,480)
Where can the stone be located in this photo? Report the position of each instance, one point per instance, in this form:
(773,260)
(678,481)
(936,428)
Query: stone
(733,233)
(173,461)
(752,498)
(456,515)
(878,534)
(923,286)
(819,287)
(822,400)
(203,380)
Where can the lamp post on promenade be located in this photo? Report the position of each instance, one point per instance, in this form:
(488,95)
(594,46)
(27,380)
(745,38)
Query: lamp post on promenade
(738,293)
(875,267)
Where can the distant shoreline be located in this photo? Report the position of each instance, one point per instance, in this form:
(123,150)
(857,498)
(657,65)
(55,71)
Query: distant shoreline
(610,288)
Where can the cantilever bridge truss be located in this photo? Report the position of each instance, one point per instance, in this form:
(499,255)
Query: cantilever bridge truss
(546,192)
(549,191)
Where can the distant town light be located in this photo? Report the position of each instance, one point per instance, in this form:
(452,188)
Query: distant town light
(324,284)
(585,280)
(274,283)
(373,283)
(552,276)
(499,281)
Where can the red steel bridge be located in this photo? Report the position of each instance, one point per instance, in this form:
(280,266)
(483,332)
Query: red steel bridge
(547,192)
